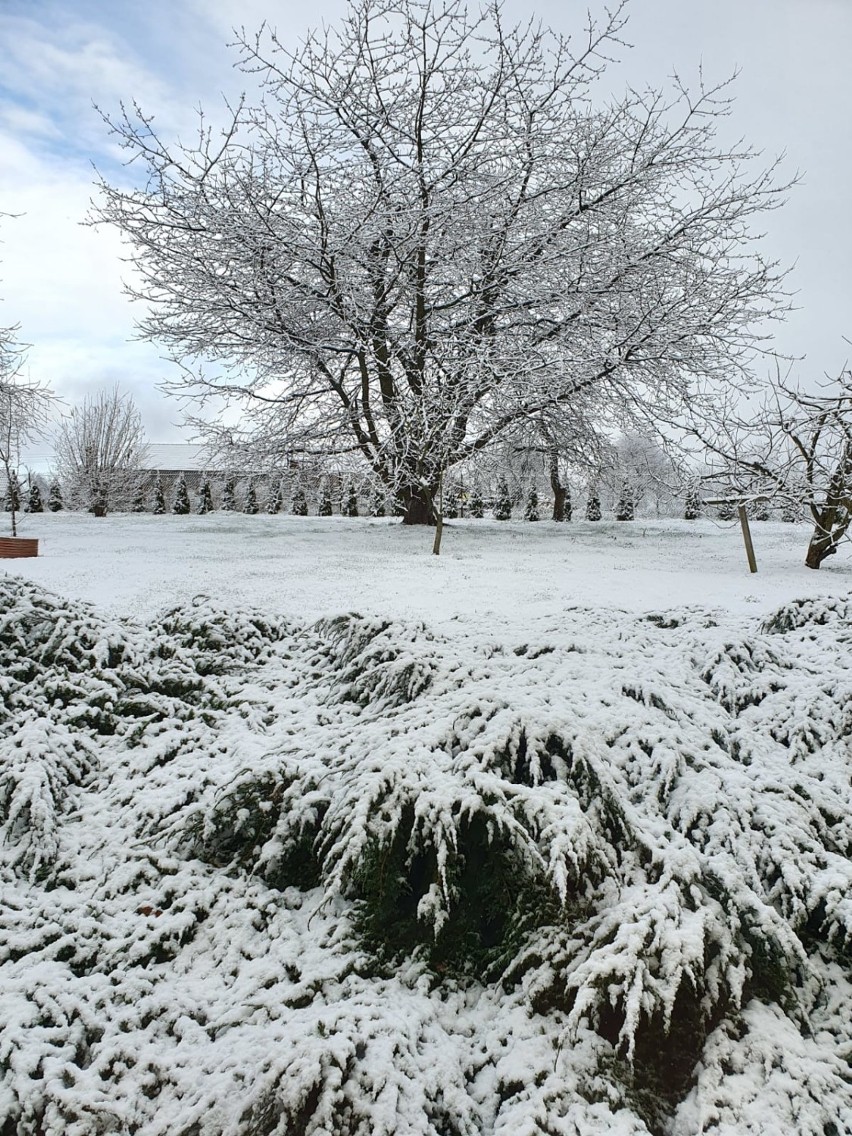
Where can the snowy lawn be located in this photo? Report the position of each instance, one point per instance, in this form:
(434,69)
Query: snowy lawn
(491,576)
(553,837)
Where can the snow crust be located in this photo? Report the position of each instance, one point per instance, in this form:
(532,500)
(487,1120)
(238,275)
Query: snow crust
(194,796)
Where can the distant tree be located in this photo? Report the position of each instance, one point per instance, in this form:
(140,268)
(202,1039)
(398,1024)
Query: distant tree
(476,509)
(299,503)
(377,502)
(503,502)
(692,504)
(726,511)
(35,504)
(100,449)
(531,512)
(791,513)
(25,409)
(54,497)
(625,509)
(229,494)
(159,506)
(567,507)
(451,504)
(593,505)
(181,504)
(350,501)
(325,507)
(12,501)
(205,497)
(274,496)
(760,511)
(139,501)
(250,505)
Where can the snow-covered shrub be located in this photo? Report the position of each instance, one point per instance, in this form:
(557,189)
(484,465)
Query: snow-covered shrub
(299,503)
(54,497)
(349,502)
(477,505)
(377,502)
(138,503)
(159,506)
(692,504)
(250,504)
(274,496)
(503,501)
(229,494)
(353,878)
(625,508)
(593,506)
(35,504)
(205,497)
(531,512)
(181,504)
(325,507)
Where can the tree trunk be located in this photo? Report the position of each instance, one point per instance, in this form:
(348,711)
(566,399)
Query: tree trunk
(556,485)
(829,530)
(418,505)
(822,544)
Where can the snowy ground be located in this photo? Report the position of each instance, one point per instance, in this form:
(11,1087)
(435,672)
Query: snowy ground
(554,838)
(492,578)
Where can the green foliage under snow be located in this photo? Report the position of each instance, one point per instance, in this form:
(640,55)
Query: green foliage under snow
(262,878)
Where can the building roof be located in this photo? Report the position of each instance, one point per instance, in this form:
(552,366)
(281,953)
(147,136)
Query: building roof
(177,456)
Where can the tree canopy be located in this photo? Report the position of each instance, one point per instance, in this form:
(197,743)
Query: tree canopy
(424,233)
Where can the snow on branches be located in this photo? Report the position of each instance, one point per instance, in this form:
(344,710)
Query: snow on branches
(263,877)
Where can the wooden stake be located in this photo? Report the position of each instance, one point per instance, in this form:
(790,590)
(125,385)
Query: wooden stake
(439,527)
(749,547)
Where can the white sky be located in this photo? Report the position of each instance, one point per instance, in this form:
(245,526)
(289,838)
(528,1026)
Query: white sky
(62,282)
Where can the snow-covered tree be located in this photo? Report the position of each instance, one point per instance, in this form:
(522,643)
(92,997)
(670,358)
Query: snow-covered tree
(531,512)
(181,504)
(567,506)
(476,509)
(349,503)
(377,502)
(12,500)
(692,504)
(35,503)
(325,507)
(760,509)
(275,496)
(427,231)
(299,503)
(54,497)
(158,507)
(139,501)
(503,500)
(797,451)
(625,508)
(100,450)
(229,494)
(593,505)
(250,504)
(25,409)
(205,497)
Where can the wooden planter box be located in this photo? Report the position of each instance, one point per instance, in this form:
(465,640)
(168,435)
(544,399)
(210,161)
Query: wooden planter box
(17,546)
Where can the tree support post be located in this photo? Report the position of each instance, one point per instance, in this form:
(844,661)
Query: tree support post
(749,547)
(439,526)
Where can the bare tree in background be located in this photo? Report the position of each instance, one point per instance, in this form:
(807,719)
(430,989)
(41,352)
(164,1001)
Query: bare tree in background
(101,452)
(797,452)
(426,233)
(25,411)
